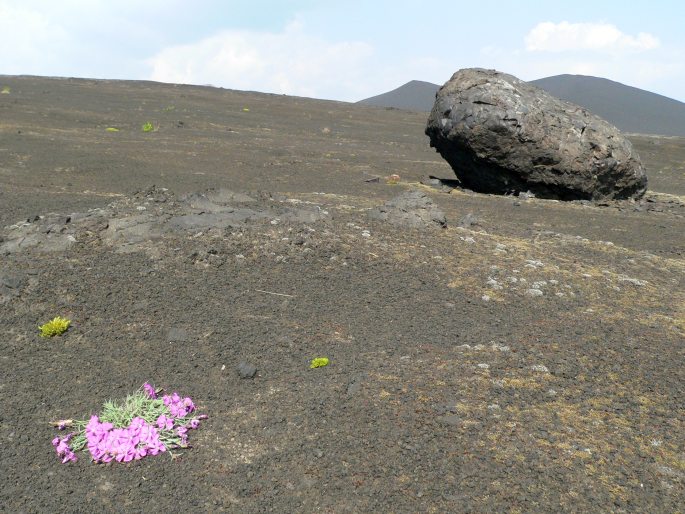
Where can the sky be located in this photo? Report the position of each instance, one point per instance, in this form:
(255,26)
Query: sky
(344,50)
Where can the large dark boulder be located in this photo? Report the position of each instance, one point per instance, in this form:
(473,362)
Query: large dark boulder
(502,135)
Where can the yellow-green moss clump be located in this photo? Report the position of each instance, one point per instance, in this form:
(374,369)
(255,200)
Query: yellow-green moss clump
(319,362)
(54,327)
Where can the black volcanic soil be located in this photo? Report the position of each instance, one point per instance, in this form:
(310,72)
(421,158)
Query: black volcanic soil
(528,357)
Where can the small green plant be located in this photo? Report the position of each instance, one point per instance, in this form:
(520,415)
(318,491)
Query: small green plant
(319,362)
(169,108)
(246,109)
(6,90)
(148,126)
(54,327)
(112,129)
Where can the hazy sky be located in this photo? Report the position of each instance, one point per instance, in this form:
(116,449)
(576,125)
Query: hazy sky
(344,49)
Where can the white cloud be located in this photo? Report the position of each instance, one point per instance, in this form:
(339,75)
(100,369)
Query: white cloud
(288,62)
(565,36)
(29,40)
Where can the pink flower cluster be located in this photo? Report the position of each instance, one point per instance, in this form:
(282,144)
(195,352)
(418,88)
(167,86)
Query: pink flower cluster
(106,443)
(63,449)
(179,407)
(140,438)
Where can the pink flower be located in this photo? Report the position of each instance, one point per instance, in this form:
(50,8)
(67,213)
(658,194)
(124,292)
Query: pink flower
(69,456)
(150,390)
(169,400)
(178,407)
(165,423)
(97,431)
(62,448)
(194,423)
(183,434)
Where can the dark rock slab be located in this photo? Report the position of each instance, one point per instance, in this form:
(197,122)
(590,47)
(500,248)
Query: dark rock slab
(220,219)
(411,209)
(502,135)
(134,229)
(152,215)
(11,284)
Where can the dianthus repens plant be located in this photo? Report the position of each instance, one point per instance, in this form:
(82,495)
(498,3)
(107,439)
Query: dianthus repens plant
(142,424)
(56,326)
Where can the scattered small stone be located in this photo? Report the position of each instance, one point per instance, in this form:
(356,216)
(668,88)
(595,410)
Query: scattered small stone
(533,292)
(246,370)
(540,368)
(632,281)
(177,335)
(469,220)
(484,366)
(355,384)
(494,284)
(450,420)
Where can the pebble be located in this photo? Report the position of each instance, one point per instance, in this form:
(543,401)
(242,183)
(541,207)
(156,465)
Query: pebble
(451,420)
(246,370)
(177,335)
(539,367)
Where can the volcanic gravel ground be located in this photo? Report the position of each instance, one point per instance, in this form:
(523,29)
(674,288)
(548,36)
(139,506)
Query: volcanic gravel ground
(526,357)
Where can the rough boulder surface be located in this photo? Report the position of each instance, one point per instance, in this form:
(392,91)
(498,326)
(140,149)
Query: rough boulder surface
(502,135)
